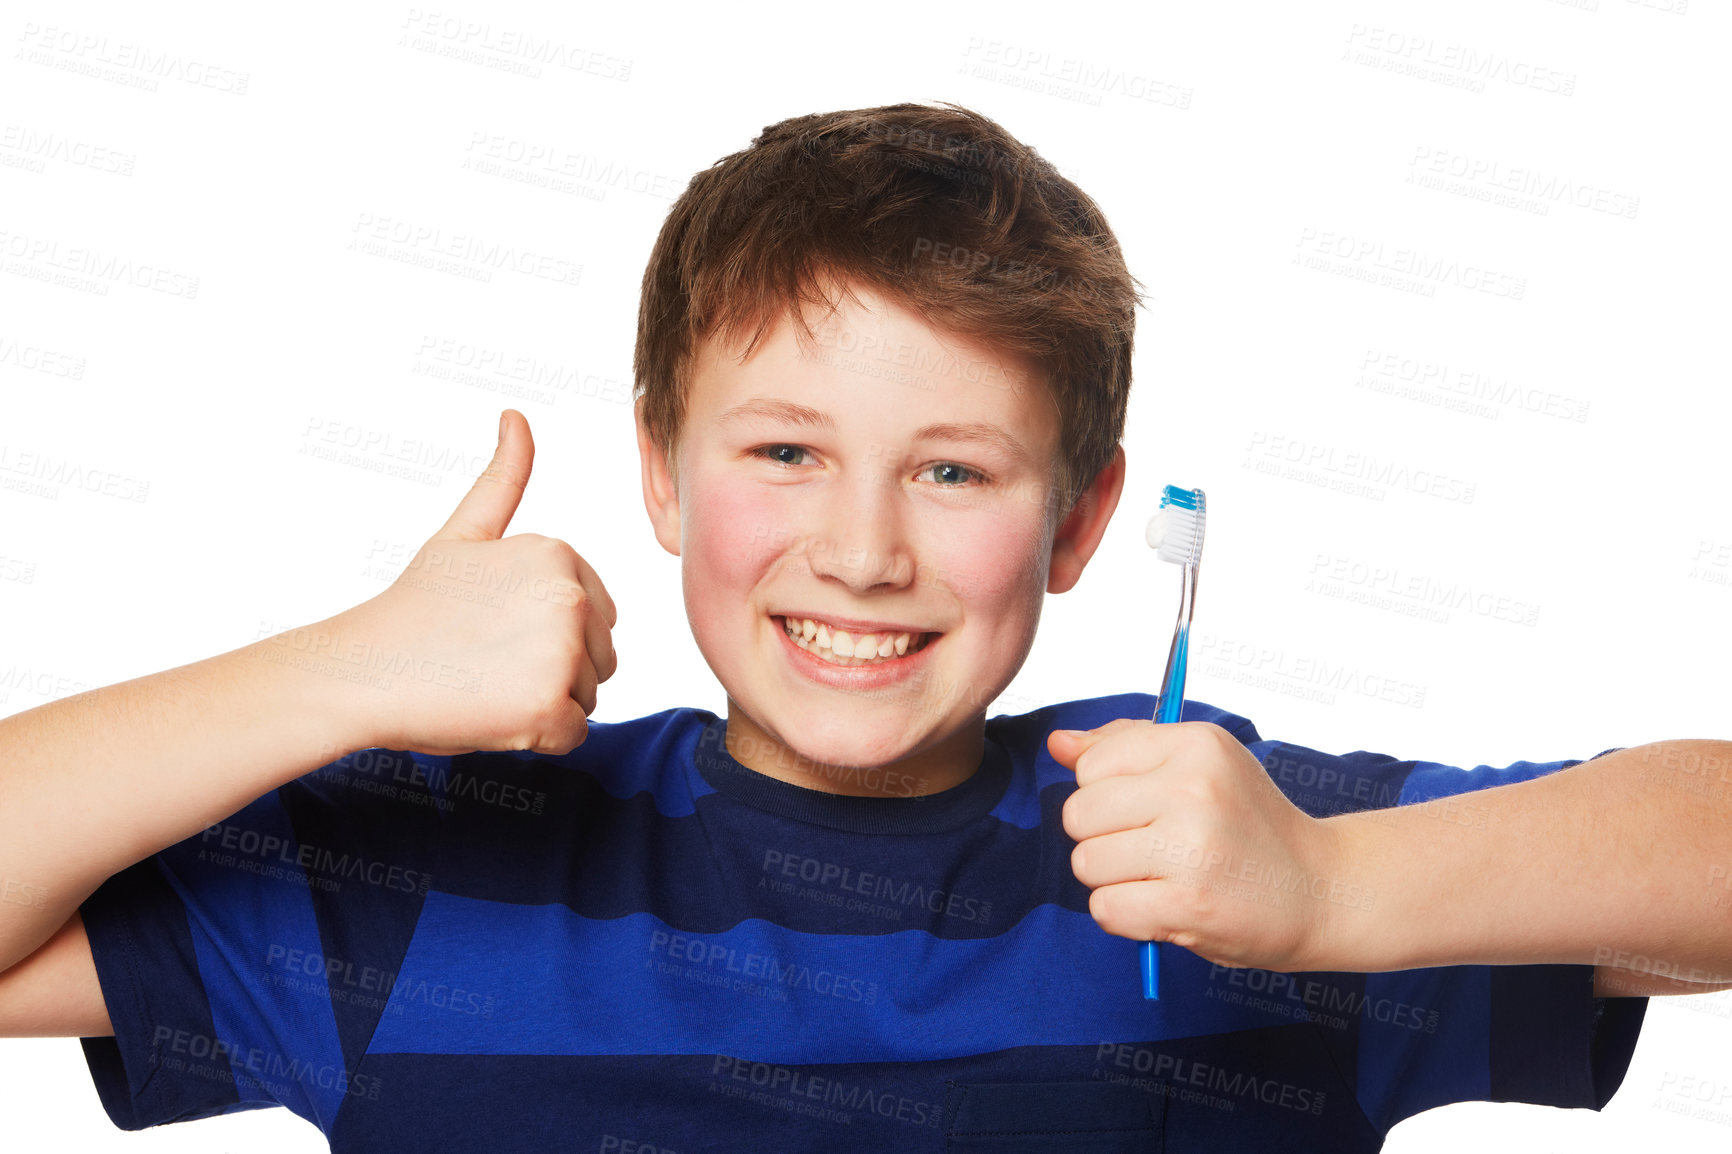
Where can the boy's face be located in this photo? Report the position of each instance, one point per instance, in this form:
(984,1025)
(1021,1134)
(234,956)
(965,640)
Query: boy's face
(893,480)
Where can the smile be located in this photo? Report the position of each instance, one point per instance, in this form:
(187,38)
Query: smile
(844,649)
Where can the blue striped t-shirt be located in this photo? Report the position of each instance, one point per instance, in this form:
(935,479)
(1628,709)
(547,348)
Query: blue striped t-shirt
(645,947)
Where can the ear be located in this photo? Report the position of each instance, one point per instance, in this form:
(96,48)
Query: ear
(1083,527)
(661,497)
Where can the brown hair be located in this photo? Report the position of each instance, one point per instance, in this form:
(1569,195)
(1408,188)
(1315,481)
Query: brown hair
(936,207)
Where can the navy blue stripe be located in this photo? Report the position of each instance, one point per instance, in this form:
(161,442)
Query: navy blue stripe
(1548,1011)
(894,814)
(1324,784)
(364,928)
(1246,1092)
(136,925)
(729,861)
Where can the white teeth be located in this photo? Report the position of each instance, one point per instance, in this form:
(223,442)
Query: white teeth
(844,648)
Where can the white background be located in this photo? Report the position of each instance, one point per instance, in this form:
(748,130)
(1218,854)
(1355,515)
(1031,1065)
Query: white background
(1263,135)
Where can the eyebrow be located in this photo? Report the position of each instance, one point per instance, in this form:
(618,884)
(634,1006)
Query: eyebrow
(788,411)
(972,432)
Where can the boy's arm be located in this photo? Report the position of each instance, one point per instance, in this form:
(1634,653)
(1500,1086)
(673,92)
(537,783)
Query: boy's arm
(55,993)
(481,643)
(1615,862)
(1621,862)
(93,783)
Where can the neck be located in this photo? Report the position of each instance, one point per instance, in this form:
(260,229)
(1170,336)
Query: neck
(943,765)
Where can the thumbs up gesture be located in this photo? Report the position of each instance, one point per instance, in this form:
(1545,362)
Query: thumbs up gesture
(1182,837)
(487,642)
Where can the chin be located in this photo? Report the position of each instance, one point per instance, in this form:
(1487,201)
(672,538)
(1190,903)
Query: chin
(851,743)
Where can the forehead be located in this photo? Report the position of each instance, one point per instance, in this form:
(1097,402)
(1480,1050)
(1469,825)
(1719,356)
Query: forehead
(873,359)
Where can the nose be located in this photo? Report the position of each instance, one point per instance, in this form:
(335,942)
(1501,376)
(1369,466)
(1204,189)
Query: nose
(863,527)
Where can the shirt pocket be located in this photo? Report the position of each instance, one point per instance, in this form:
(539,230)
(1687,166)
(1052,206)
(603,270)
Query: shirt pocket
(1072,1117)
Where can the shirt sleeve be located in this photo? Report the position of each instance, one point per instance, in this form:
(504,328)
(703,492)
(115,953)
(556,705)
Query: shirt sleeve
(1427,1037)
(248,965)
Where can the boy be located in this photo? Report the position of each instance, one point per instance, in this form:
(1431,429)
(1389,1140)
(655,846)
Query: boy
(849,915)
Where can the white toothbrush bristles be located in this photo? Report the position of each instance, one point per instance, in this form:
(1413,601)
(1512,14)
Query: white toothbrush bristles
(1176,535)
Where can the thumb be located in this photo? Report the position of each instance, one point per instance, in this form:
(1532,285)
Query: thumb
(1066,745)
(487,508)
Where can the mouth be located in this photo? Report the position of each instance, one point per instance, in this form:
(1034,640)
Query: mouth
(845,648)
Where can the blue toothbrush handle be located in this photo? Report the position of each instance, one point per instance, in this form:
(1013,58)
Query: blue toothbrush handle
(1170,706)
(1151,971)
(1172,701)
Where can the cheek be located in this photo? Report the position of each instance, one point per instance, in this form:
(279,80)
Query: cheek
(731,536)
(996,563)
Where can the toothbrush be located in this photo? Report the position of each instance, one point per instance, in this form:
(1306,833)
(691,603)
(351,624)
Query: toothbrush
(1175,532)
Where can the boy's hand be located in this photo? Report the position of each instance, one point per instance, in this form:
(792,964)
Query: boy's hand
(1183,838)
(487,642)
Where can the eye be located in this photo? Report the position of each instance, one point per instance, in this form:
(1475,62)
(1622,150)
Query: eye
(780,454)
(953,475)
